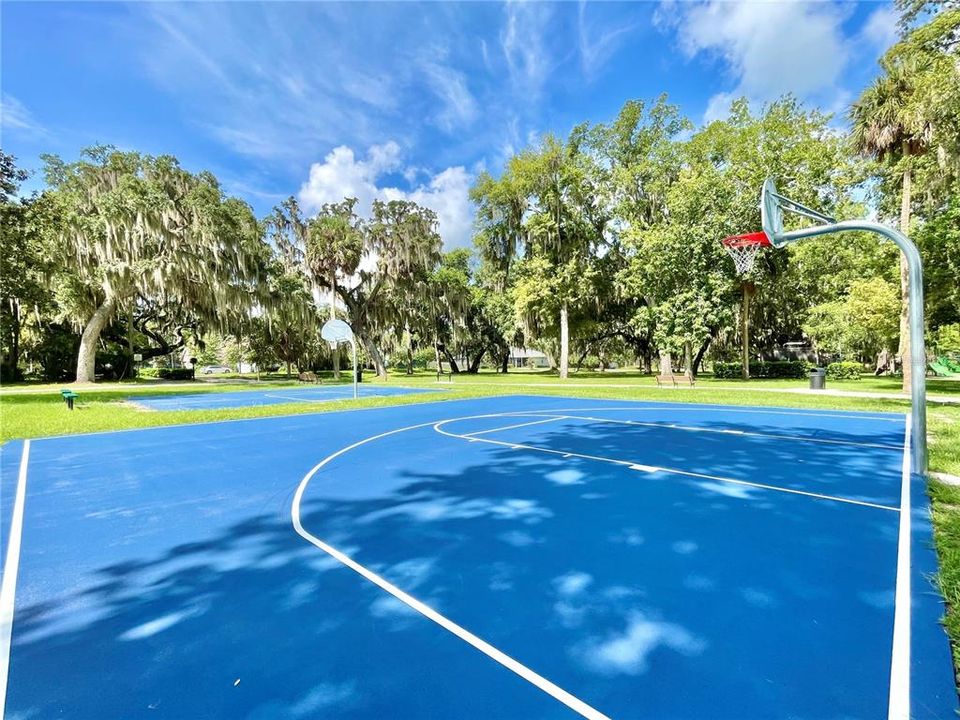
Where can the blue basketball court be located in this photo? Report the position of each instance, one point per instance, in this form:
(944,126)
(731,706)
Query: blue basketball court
(276,396)
(508,557)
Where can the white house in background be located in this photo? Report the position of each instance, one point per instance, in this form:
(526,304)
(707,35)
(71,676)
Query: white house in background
(523,357)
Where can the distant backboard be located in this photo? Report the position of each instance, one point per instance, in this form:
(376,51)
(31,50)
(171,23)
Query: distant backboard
(336,331)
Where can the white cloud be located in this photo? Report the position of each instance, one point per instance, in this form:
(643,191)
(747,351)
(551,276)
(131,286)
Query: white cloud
(458,106)
(524,47)
(14,115)
(770,48)
(448,194)
(597,45)
(718,106)
(342,174)
(881,27)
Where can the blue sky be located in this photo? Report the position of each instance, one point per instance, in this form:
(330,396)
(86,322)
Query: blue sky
(399,99)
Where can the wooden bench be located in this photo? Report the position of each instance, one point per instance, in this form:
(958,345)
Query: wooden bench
(308,377)
(675,380)
(69,396)
(441,375)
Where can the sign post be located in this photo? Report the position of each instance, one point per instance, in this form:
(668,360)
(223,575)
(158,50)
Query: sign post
(335,332)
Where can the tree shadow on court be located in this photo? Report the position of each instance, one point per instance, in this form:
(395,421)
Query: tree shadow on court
(626,588)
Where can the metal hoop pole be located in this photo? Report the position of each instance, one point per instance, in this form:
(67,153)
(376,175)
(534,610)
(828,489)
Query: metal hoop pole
(918,356)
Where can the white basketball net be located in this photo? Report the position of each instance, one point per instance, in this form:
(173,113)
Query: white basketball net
(743,256)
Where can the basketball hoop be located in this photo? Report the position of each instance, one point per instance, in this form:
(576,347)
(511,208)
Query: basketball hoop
(744,248)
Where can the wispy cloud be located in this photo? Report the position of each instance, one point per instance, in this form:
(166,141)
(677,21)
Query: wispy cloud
(458,107)
(598,44)
(881,29)
(524,45)
(14,115)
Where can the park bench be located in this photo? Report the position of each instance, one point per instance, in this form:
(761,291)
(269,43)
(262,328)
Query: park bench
(675,380)
(309,377)
(69,396)
(441,375)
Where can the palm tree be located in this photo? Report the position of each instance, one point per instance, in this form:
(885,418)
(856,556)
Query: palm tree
(893,123)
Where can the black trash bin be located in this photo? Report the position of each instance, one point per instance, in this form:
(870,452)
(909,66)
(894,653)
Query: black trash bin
(359,375)
(818,378)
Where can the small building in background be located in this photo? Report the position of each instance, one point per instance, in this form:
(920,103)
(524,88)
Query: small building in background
(523,357)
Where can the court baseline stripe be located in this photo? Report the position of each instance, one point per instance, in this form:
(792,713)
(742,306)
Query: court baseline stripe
(899,707)
(8,589)
(428,612)
(648,468)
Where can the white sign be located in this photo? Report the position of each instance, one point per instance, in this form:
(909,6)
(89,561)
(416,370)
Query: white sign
(137,357)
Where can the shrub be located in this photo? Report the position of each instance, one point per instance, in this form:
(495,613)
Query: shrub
(796,369)
(844,370)
(167,373)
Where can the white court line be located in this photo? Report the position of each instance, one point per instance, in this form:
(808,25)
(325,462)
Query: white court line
(8,589)
(899,707)
(317,398)
(748,433)
(640,405)
(518,425)
(672,471)
(428,612)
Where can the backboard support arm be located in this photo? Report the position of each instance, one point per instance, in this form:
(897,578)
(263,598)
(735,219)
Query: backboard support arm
(918,356)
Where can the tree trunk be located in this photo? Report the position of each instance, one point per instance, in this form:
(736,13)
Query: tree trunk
(745,332)
(564,341)
(688,359)
(666,364)
(505,361)
(378,364)
(129,370)
(333,316)
(454,368)
(905,357)
(700,353)
(436,351)
(87,357)
(475,365)
(288,368)
(12,360)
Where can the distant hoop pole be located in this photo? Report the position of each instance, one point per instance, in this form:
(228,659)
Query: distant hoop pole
(772,206)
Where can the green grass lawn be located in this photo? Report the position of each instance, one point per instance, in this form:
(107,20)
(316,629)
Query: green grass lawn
(38,410)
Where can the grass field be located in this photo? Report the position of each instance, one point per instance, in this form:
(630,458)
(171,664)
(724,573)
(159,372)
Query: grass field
(38,410)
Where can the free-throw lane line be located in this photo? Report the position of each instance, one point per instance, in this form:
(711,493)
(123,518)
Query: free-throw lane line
(11,567)
(673,471)
(555,691)
(517,425)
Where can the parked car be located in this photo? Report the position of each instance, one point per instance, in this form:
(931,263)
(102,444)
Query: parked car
(215,369)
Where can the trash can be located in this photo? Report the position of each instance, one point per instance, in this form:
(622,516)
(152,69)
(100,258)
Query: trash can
(818,378)
(359,375)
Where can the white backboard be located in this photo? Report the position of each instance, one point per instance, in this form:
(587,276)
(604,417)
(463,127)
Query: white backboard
(336,331)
